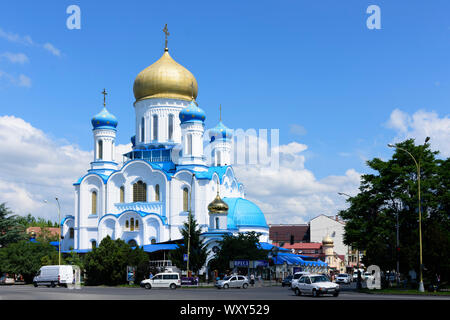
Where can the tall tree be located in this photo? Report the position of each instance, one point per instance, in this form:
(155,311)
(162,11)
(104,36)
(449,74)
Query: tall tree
(25,257)
(197,250)
(10,229)
(242,246)
(390,194)
(107,264)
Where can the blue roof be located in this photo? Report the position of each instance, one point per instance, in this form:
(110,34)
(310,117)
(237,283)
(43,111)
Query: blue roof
(192,113)
(268,246)
(104,120)
(244,213)
(159,247)
(291,258)
(220,132)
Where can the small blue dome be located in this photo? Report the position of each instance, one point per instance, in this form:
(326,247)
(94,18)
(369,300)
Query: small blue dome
(244,213)
(220,131)
(192,113)
(104,120)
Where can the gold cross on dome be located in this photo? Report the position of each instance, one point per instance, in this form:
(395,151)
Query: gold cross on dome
(220,112)
(104,97)
(166,31)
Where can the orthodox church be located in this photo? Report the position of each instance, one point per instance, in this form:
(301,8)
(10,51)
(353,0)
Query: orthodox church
(175,167)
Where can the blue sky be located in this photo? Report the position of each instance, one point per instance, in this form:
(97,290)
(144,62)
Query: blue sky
(309,68)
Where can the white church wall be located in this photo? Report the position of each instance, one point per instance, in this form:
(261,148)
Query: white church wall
(162,108)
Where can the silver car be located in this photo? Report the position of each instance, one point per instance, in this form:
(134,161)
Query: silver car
(233,282)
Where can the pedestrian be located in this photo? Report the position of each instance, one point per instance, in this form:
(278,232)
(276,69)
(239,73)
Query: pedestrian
(252,279)
(151,275)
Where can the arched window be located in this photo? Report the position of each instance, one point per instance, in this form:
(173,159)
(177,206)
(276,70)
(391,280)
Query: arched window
(132,243)
(155,127)
(71,233)
(157,193)
(219,158)
(94,203)
(139,192)
(122,194)
(170,136)
(189,144)
(127,224)
(185,199)
(137,225)
(100,149)
(142,129)
(217,223)
(94,244)
(153,241)
(132,224)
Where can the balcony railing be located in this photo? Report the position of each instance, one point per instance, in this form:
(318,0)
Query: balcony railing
(153,207)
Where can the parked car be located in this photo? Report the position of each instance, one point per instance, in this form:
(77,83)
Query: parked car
(234,281)
(287,281)
(343,278)
(51,276)
(5,278)
(316,285)
(297,276)
(170,280)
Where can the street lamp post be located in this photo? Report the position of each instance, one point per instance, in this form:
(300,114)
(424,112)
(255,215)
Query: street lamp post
(421,287)
(59,226)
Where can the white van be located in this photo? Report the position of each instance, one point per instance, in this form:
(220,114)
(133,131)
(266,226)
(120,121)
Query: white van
(170,280)
(54,275)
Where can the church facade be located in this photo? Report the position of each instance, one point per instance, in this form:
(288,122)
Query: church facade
(175,166)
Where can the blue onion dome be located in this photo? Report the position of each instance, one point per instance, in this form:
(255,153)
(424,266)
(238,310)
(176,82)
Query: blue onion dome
(104,120)
(192,113)
(220,132)
(244,213)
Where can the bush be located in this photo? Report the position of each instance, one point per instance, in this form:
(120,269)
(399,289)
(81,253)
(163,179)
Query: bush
(107,264)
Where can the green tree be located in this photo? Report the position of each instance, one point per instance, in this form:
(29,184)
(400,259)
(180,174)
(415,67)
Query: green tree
(10,229)
(197,252)
(391,192)
(25,257)
(107,264)
(242,246)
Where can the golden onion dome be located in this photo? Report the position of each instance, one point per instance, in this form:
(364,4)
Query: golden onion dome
(217,205)
(327,240)
(165,79)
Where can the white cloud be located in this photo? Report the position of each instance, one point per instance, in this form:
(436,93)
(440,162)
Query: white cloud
(12,37)
(26,40)
(15,57)
(420,125)
(24,81)
(51,48)
(21,81)
(297,129)
(36,168)
(291,193)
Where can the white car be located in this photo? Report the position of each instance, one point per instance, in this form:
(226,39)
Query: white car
(234,281)
(316,285)
(51,276)
(170,280)
(296,277)
(343,278)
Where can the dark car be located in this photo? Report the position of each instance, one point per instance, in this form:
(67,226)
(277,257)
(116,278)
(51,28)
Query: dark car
(286,281)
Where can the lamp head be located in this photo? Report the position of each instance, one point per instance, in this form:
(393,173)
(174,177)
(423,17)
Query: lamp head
(427,139)
(390,145)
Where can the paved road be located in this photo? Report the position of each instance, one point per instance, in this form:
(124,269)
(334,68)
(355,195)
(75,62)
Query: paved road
(28,292)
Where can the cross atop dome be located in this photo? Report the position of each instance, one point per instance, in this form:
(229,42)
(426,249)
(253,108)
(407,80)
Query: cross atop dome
(104,93)
(166,32)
